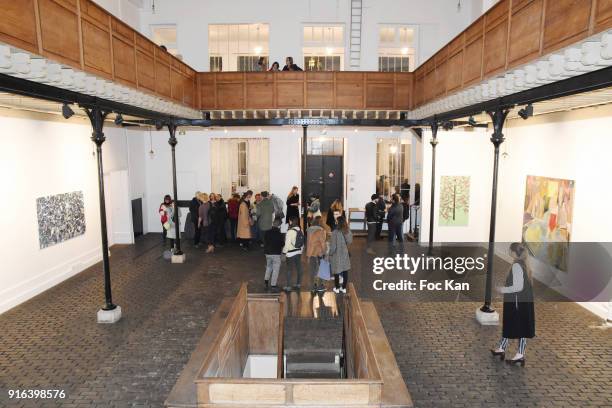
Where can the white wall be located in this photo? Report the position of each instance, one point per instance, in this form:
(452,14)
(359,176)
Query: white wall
(193,163)
(40,158)
(569,145)
(438,21)
(126,10)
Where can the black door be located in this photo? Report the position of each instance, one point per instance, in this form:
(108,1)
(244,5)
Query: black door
(137,217)
(324,177)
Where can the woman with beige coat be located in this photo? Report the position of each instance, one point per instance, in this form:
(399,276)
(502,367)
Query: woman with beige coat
(244,221)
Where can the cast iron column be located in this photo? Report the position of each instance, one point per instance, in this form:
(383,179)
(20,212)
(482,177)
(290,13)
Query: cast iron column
(434,143)
(97,116)
(177,222)
(303,182)
(498,117)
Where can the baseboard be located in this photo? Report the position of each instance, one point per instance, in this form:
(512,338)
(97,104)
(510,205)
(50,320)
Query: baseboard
(599,309)
(23,291)
(123,238)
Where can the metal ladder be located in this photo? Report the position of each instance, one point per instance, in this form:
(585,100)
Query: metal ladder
(355,32)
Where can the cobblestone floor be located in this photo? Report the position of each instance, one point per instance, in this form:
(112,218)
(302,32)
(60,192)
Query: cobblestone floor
(54,342)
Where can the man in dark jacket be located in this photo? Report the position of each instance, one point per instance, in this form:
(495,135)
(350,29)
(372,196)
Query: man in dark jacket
(381,207)
(273,248)
(265,214)
(194,205)
(220,214)
(371,218)
(290,66)
(395,219)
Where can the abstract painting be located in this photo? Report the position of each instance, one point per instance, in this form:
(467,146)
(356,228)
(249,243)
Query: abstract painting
(60,218)
(547,219)
(454,201)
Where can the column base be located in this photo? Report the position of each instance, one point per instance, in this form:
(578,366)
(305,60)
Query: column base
(487,318)
(109,316)
(178,258)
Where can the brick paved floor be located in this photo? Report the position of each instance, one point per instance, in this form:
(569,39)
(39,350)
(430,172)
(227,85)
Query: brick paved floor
(53,341)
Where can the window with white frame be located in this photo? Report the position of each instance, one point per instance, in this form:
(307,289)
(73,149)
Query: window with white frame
(165,34)
(392,166)
(323,47)
(234,47)
(238,165)
(397,48)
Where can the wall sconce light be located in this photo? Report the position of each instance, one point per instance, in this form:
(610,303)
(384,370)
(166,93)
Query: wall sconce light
(526,112)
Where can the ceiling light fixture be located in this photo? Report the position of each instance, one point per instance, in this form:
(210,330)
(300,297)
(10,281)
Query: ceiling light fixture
(67,111)
(526,112)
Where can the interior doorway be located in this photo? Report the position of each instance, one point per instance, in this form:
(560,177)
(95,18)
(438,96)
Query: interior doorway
(325,169)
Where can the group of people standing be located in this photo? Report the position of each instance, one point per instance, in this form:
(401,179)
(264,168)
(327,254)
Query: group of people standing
(275,67)
(397,213)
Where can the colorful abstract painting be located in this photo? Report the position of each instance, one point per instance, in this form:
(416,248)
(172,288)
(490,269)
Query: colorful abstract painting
(60,218)
(547,219)
(454,201)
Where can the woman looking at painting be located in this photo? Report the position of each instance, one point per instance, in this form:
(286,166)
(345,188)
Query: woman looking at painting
(519,314)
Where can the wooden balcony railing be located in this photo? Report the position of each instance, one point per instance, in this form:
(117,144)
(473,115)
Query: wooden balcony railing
(80,34)
(305,90)
(511,33)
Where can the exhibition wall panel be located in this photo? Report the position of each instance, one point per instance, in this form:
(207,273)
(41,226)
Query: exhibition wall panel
(553,146)
(42,158)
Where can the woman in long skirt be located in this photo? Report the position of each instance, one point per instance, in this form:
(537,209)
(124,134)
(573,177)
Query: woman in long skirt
(519,314)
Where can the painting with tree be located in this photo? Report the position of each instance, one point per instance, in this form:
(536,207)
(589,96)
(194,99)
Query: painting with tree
(454,201)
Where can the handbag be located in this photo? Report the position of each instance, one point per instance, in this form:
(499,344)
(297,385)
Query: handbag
(324,272)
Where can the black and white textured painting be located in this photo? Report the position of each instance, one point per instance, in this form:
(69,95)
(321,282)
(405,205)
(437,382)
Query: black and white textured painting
(60,218)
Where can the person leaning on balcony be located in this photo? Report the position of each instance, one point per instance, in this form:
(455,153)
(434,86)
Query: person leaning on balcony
(275,67)
(290,66)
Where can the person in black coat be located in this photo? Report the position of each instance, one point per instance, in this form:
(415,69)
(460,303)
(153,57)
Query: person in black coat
(220,215)
(395,219)
(194,206)
(519,313)
(381,208)
(293,204)
(371,218)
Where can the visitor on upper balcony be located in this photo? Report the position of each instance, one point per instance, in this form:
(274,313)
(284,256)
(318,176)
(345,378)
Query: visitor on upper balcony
(262,66)
(275,67)
(290,66)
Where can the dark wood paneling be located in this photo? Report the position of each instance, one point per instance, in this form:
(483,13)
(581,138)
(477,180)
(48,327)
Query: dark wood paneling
(176,85)
(230,95)
(603,15)
(350,90)
(145,71)
(565,22)
(260,94)
(320,94)
(403,91)
(59,30)
(496,38)
(525,31)
(289,94)
(18,24)
(96,49)
(124,61)
(144,44)
(379,95)
(162,79)
(472,63)
(454,71)
(207,90)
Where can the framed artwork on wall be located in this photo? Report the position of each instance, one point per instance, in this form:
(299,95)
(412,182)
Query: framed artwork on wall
(60,218)
(547,219)
(454,201)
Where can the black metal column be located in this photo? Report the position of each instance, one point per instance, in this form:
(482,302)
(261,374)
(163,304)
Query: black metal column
(177,222)
(303,182)
(434,143)
(498,117)
(97,116)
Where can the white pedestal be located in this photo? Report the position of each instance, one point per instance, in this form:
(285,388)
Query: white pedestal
(487,319)
(109,316)
(178,258)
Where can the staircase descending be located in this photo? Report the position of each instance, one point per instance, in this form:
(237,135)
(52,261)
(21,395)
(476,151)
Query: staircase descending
(313,337)
(355,34)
